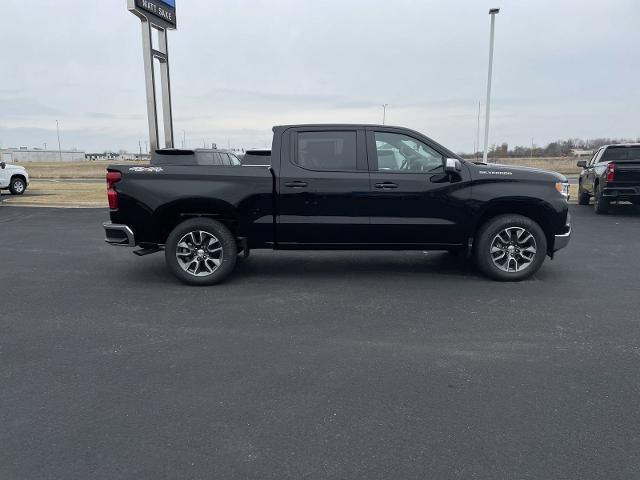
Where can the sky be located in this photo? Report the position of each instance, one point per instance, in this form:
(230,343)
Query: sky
(562,68)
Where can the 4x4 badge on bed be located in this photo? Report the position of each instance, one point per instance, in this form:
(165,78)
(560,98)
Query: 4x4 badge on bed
(146,169)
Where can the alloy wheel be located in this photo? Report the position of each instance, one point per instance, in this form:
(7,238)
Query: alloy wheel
(199,253)
(513,249)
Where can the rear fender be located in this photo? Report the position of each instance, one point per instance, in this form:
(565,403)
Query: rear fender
(168,216)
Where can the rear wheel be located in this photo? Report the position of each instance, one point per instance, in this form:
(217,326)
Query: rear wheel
(583,197)
(201,252)
(17,186)
(510,248)
(600,205)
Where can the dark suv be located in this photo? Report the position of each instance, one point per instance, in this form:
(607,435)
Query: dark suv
(612,175)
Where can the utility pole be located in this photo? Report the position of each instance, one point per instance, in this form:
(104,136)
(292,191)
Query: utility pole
(184,138)
(531,147)
(45,145)
(59,144)
(140,147)
(493,13)
(478,134)
(384,113)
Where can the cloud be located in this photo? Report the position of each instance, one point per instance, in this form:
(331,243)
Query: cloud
(238,68)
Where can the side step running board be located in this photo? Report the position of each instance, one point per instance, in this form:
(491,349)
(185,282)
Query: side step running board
(146,251)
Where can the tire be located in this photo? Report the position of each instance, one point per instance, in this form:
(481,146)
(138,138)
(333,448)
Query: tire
(17,186)
(520,240)
(600,206)
(583,197)
(201,251)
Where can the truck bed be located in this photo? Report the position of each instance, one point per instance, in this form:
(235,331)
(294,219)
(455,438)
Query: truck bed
(163,192)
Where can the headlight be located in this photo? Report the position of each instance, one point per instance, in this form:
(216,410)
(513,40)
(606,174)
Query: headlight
(563,188)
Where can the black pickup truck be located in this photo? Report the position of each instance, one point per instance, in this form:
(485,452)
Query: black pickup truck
(611,176)
(337,187)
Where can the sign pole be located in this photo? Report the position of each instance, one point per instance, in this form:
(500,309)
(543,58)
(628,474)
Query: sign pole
(150,83)
(159,15)
(166,90)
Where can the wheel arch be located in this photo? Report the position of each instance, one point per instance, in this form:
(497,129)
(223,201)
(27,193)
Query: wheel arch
(538,211)
(167,217)
(20,176)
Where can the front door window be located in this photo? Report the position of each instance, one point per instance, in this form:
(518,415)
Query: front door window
(404,154)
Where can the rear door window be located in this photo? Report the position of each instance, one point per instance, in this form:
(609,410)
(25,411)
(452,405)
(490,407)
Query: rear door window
(331,151)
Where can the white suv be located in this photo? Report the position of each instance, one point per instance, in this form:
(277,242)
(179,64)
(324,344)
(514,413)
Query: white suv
(13,177)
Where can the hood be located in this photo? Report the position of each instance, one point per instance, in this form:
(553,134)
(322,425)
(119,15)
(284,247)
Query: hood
(516,172)
(11,166)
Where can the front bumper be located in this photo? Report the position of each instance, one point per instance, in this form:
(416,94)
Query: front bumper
(120,235)
(561,240)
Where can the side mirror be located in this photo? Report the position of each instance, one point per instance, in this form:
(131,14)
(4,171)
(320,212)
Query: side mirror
(3,165)
(582,163)
(452,165)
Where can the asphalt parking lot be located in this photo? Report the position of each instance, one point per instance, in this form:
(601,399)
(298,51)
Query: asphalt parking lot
(316,364)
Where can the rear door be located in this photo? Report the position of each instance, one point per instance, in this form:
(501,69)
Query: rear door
(412,199)
(323,185)
(590,172)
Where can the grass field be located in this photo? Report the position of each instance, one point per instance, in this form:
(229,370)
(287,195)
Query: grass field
(564,165)
(60,193)
(95,169)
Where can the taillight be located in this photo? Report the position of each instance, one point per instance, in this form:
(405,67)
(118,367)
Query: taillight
(112,195)
(611,172)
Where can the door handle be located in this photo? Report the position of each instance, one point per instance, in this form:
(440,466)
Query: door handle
(386,185)
(296,184)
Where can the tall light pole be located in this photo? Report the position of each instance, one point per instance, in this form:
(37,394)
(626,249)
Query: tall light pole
(384,113)
(477,134)
(59,145)
(493,12)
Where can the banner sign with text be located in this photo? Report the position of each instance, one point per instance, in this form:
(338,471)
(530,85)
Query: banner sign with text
(164,10)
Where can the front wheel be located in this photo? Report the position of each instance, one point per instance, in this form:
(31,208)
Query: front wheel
(510,248)
(201,252)
(17,186)
(583,197)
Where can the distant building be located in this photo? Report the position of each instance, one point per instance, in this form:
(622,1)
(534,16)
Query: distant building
(24,154)
(119,157)
(576,152)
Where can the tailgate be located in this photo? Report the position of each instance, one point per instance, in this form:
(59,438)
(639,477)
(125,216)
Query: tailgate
(627,172)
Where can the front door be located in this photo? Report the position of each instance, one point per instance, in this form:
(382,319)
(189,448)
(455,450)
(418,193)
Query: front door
(322,187)
(413,200)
